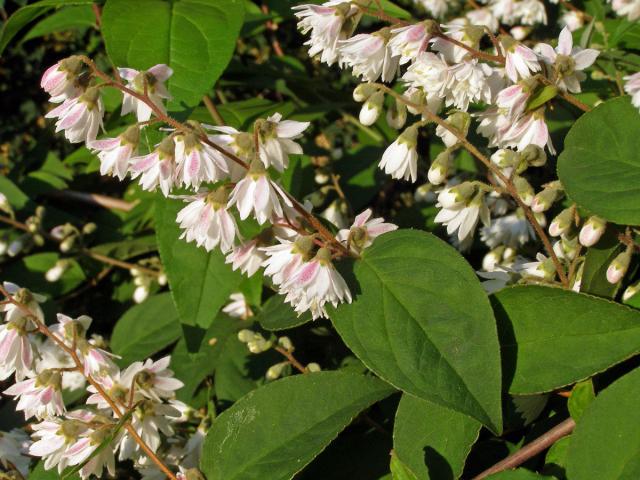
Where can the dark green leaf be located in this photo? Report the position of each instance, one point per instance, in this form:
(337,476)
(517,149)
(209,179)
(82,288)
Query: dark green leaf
(274,431)
(581,397)
(552,337)
(278,315)
(408,324)
(64,19)
(597,260)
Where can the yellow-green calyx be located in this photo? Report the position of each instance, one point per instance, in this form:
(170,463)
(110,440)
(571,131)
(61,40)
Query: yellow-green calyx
(191,142)
(218,198)
(193,474)
(324,256)
(256,168)
(90,97)
(49,378)
(145,379)
(358,237)
(131,136)
(23,296)
(266,129)
(142,78)
(565,65)
(73,330)
(70,429)
(167,148)
(303,246)
(71,65)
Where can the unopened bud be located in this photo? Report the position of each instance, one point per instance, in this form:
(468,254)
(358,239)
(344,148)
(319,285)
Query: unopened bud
(313,367)
(141,293)
(460,121)
(418,98)
(566,248)
(285,342)
(618,268)
(439,169)
(397,115)
(246,335)
(5,206)
(162,279)
(505,158)
(67,244)
(525,190)
(630,291)
(461,193)
(534,156)
(544,199)
(259,344)
(562,222)
(55,273)
(592,231)
(16,247)
(89,228)
(371,109)
(492,259)
(275,371)
(363,91)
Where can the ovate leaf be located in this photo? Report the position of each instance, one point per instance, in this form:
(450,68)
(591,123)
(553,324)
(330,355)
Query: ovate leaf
(278,315)
(600,166)
(431,440)
(606,441)
(274,431)
(399,471)
(194,37)
(421,321)
(200,281)
(552,337)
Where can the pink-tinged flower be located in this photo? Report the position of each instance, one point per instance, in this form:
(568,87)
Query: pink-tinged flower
(14,448)
(314,284)
(275,138)
(17,313)
(247,257)
(238,307)
(400,159)
(207,222)
(80,117)
(85,446)
(328,23)
(364,230)
(239,143)
(61,80)
(370,56)
(152,379)
(16,352)
(461,208)
(430,73)
(153,79)
(628,8)
(284,258)
(567,61)
(483,17)
(530,129)
(542,268)
(531,12)
(632,87)
(257,193)
(157,169)
(513,100)
(53,436)
(116,153)
(572,20)
(521,61)
(618,267)
(410,41)
(460,30)
(40,396)
(198,162)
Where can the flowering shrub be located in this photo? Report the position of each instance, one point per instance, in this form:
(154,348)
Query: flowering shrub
(443,285)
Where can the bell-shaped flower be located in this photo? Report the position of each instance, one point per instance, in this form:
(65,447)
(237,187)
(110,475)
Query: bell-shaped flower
(275,139)
(115,154)
(80,117)
(247,257)
(150,82)
(370,56)
(157,169)
(61,80)
(198,162)
(364,230)
(40,396)
(400,159)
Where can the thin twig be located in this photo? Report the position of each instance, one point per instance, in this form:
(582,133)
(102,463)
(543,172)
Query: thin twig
(213,111)
(531,449)
(94,199)
(291,359)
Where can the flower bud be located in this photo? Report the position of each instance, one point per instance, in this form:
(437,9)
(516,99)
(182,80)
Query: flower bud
(562,222)
(592,231)
(162,279)
(16,247)
(67,244)
(89,228)
(371,109)
(416,97)
(525,190)
(285,342)
(630,291)
(363,91)
(313,367)
(424,193)
(459,121)
(439,168)
(245,335)
(544,199)
(141,293)
(55,273)
(460,194)
(397,115)
(534,156)
(492,259)
(618,268)
(5,206)
(276,370)
(505,158)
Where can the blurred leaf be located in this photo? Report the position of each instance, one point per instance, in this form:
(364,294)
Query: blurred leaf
(581,397)
(64,19)
(126,249)
(278,315)
(597,260)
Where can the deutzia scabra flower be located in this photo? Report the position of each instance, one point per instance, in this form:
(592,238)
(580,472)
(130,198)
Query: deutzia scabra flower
(152,379)
(461,208)
(567,61)
(461,31)
(115,153)
(238,307)
(592,231)
(328,23)
(531,12)
(240,143)
(512,230)
(61,80)
(40,396)
(247,257)
(157,169)
(275,138)
(572,20)
(521,61)
(542,268)
(431,73)
(284,258)
(364,231)
(471,83)
(196,161)
(632,87)
(438,8)
(400,159)
(85,446)
(314,284)
(628,8)
(207,222)
(80,117)
(257,193)
(151,82)
(14,447)
(618,267)
(370,56)
(410,41)
(484,17)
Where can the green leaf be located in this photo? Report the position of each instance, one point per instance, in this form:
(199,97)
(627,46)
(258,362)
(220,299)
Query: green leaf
(146,329)
(431,440)
(600,165)
(67,18)
(399,471)
(556,459)
(276,430)
(25,15)
(542,96)
(126,249)
(17,198)
(606,441)
(407,323)
(581,397)
(597,260)
(278,315)
(194,37)
(39,473)
(552,337)
(392,9)
(518,474)
(200,281)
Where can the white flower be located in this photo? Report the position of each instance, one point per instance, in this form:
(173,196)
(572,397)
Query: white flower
(238,307)
(275,138)
(632,87)
(371,109)
(116,153)
(542,268)
(572,20)
(531,12)
(512,230)
(469,83)
(196,161)
(153,79)
(152,379)
(530,129)
(80,117)
(429,72)
(400,159)
(257,193)
(521,61)
(567,61)
(484,17)
(370,56)
(207,222)
(247,257)
(314,284)
(40,396)
(498,279)
(284,258)
(438,8)
(505,10)
(459,30)
(14,447)
(364,230)
(51,356)
(630,8)
(157,169)
(82,449)
(336,213)
(328,23)
(61,80)
(410,41)
(462,216)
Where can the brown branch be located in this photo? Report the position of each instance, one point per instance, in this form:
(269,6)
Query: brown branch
(94,199)
(291,359)
(531,449)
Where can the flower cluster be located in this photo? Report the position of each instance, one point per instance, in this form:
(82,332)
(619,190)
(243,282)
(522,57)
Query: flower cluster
(46,360)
